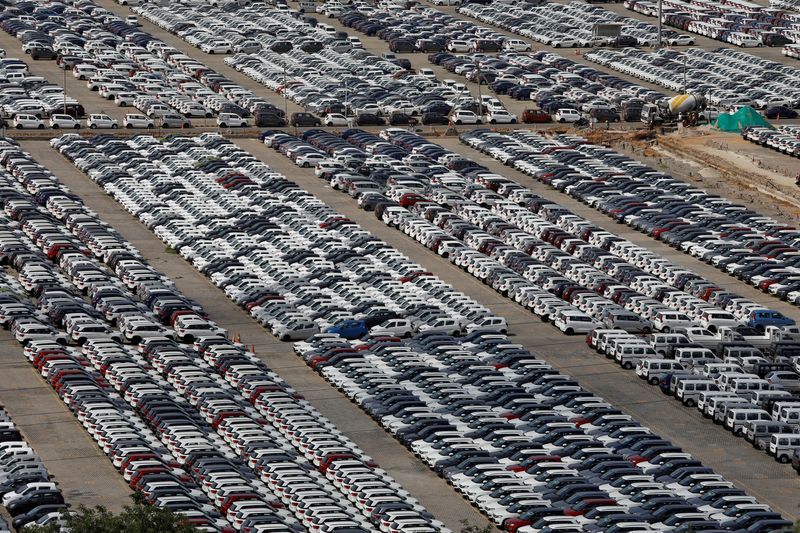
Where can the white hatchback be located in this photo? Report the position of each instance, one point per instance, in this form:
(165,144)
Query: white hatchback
(27,122)
(135,120)
(64,122)
(101,121)
(231,120)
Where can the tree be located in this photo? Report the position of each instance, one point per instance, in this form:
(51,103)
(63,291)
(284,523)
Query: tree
(468,527)
(137,518)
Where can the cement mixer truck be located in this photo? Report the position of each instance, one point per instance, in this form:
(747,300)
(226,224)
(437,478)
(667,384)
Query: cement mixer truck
(670,110)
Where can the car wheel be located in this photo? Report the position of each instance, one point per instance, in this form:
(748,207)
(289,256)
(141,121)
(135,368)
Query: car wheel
(561,120)
(569,331)
(40,127)
(150,126)
(493,121)
(783,459)
(211,52)
(77,126)
(557,45)
(653,381)
(93,126)
(19,126)
(129,126)
(223,125)
(646,331)
(513,121)
(286,338)
(55,126)
(478,122)
(690,403)
(136,339)
(114,126)
(627,365)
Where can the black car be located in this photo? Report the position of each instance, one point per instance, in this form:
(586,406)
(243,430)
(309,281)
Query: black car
(780,112)
(304,119)
(368,119)
(269,120)
(401,119)
(435,118)
(35,499)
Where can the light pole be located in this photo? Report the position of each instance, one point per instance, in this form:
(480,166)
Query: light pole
(684,72)
(660,14)
(283,47)
(480,99)
(285,103)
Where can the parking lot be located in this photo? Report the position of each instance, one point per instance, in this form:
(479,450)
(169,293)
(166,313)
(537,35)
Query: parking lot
(430,490)
(179,191)
(733,458)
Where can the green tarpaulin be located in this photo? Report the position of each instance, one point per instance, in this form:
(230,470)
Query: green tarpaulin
(745,117)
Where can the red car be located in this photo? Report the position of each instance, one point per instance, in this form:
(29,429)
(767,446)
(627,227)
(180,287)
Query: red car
(535,116)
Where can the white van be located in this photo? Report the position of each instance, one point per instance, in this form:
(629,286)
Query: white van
(759,432)
(693,356)
(745,387)
(777,406)
(651,369)
(789,415)
(783,445)
(688,390)
(629,355)
(722,407)
(736,419)
(705,399)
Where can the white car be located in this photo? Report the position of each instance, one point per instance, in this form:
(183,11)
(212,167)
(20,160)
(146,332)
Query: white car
(335,119)
(462,116)
(516,45)
(458,46)
(64,122)
(133,20)
(500,116)
(231,120)
(134,120)
(27,488)
(567,115)
(102,121)
(27,122)
(571,322)
(398,327)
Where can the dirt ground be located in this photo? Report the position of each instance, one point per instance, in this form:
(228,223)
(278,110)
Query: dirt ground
(722,163)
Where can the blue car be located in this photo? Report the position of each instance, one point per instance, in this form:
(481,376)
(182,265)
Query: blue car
(349,329)
(767,317)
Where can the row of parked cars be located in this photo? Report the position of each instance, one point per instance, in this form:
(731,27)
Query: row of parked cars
(196,422)
(784,139)
(530,249)
(791,50)
(320,70)
(24,94)
(27,490)
(747,245)
(725,77)
(752,391)
(556,83)
(424,29)
(568,25)
(745,25)
(527,445)
(130,67)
